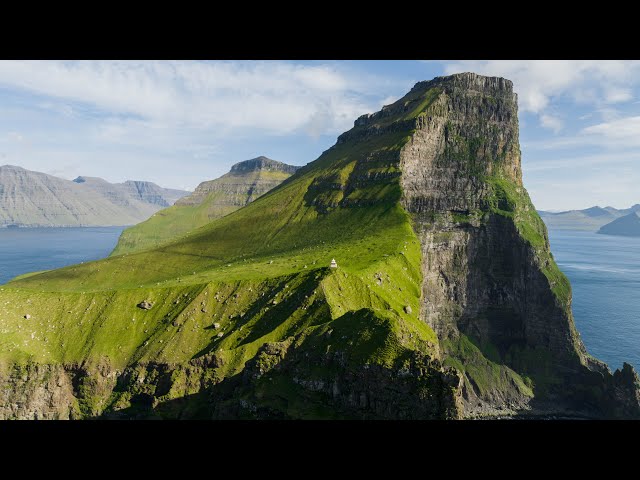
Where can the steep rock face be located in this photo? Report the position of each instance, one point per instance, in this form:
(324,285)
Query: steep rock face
(489,277)
(149,192)
(274,385)
(132,192)
(418,388)
(247,181)
(263,164)
(35,199)
(36,392)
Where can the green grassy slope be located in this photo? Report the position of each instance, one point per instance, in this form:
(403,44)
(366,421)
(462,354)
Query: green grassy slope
(211,200)
(257,280)
(283,226)
(260,272)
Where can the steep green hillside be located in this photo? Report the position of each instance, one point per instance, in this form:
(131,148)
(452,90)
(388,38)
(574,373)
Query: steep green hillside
(262,274)
(446,301)
(245,182)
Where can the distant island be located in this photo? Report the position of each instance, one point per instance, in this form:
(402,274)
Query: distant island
(35,199)
(627,226)
(589,219)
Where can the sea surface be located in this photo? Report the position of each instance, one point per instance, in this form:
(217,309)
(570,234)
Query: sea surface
(604,271)
(24,250)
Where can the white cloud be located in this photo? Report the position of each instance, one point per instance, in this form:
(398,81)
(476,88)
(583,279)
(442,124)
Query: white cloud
(623,132)
(58,107)
(576,162)
(15,136)
(388,101)
(138,119)
(552,122)
(619,133)
(273,96)
(607,114)
(618,95)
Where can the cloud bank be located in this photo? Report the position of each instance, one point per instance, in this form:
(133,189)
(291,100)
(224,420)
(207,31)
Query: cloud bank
(541,83)
(276,97)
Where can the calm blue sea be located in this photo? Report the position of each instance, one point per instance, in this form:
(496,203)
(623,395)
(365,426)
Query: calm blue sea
(604,272)
(25,250)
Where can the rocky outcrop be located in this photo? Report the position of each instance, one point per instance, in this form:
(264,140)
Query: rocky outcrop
(245,182)
(144,305)
(488,272)
(625,392)
(264,164)
(132,191)
(149,192)
(419,388)
(36,392)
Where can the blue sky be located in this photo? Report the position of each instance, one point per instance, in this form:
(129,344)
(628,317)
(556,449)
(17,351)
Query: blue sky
(180,123)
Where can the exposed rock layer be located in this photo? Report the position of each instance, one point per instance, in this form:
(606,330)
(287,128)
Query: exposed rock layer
(245,182)
(488,272)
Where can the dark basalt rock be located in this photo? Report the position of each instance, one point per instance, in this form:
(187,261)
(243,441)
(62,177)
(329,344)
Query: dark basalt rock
(488,273)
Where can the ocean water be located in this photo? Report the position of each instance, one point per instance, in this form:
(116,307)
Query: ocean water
(25,250)
(604,271)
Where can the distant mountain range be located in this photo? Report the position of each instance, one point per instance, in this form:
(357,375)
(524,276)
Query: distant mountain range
(627,226)
(590,219)
(213,199)
(35,199)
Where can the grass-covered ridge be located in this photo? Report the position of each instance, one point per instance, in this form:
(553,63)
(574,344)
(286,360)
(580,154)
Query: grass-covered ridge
(513,201)
(211,200)
(247,293)
(255,276)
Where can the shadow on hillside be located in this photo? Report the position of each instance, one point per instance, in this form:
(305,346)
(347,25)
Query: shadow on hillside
(195,406)
(271,316)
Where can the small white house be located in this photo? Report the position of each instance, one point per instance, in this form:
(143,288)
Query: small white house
(333,264)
